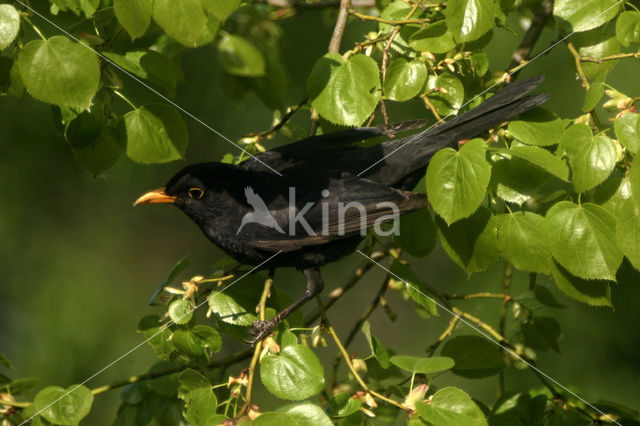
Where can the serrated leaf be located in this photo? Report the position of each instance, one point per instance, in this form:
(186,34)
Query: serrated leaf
(177,269)
(180,311)
(545,297)
(591,292)
(586,14)
(450,102)
(235,305)
(523,241)
(343,91)
(596,43)
(64,406)
(628,27)
(240,57)
(417,233)
(593,96)
(627,130)
(457,180)
(422,365)
(134,15)
(9,24)
(518,408)
(516,181)
(182,20)
(413,287)
(468,20)
(221,9)
(155,134)
(451,407)
(377,350)
(473,242)
(343,405)
(295,374)
(149,327)
(21,386)
(60,72)
(474,356)
(165,384)
(628,232)
(537,127)
(541,158)
(200,400)
(404,79)
(149,65)
(582,239)
(479,63)
(592,160)
(541,333)
(612,193)
(434,38)
(307,414)
(88,7)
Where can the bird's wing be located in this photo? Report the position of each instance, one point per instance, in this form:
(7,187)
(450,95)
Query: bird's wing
(336,216)
(287,156)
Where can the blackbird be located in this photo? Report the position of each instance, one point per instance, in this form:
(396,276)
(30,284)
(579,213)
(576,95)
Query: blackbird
(328,190)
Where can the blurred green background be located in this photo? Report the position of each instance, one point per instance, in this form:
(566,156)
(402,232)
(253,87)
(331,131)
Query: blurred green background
(78,263)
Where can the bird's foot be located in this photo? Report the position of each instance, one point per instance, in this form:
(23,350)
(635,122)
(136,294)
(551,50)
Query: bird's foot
(259,330)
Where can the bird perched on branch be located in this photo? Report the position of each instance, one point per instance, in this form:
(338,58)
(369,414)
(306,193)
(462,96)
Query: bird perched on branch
(312,200)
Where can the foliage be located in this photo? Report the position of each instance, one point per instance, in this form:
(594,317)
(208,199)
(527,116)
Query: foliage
(551,195)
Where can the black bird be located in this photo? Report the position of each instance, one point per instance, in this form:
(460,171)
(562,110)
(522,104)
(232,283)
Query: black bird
(319,175)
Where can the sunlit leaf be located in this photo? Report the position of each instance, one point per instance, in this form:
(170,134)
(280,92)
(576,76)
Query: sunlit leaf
(628,27)
(9,24)
(294,374)
(134,15)
(434,38)
(182,20)
(523,241)
(586,14)
(627,130)
(64,406)
(470,19)
(451,407)
(537,127)
(404,79)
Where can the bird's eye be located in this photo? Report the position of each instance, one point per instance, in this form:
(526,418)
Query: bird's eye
(196,193)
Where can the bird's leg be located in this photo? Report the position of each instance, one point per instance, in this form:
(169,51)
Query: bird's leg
(261,329)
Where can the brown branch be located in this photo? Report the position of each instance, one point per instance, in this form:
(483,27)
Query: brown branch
(341,23)
(365,17)
(506,286)
(285,118)
(523,52)
(610,58)
(578,62)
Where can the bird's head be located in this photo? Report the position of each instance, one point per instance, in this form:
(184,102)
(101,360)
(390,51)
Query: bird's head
(191,189)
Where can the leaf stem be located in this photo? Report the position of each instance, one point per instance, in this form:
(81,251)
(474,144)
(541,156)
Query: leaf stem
(36,29)
(405,21)
(117,92)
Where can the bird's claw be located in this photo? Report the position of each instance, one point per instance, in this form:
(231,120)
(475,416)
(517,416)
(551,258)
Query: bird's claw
(259,330)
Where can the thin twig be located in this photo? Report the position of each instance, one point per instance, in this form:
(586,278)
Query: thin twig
(341,23)
(610,58)
(285,118)
(578,62)
(405,21)
(506,286)
(365,4)
(523,52)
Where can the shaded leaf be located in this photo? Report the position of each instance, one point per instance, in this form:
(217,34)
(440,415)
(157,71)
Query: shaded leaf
(377,350)
(413,287)
(591,292)
(593,96)
(628,232)
(541,333)
(182,20)
(545,297)
(200,400)
(422,365)
(241,57)
(343,405)
(474,356)
(149,65)
(134,15)
(177,269)
(221,9)
(417,234)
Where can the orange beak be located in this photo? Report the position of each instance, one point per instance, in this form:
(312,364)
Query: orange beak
(156,196)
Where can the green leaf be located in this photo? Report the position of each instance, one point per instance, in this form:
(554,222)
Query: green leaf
(414,288)
(627,130)
(134,15)
(515,180)
(343,405)
(4,362)
(586,14)
(306,414)
(582,239)
(197,393)
(235,305)
(377,350)
(541,333)
(165,384)
(404,79)
(457,180)
(450,102)
(59,71)
(343,91)
(155,134)
(175,271)
(94,146)
(537,127)
(612,193)
(88,7)
(394,11)
(634,181)
(417,233)
(149,327)
(475,357)
(274,419)
(9,24)
(596,43)
(182,20)
(149,65)
(523,241)
(64,406)
(545,297)
(479,63)
(434,38)
(470,19)
(240,57)
(472,243)
(198,342)
(541,158)
(592,160)
(591,292)
(628,27)
(451,407)
(593,96)
(221,9)
(628,232)
(295,374)
(21,386)
(518,408)
(422,365)
(180,311)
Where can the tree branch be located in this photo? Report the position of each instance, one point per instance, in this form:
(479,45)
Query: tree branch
(523,52)
(341,23)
